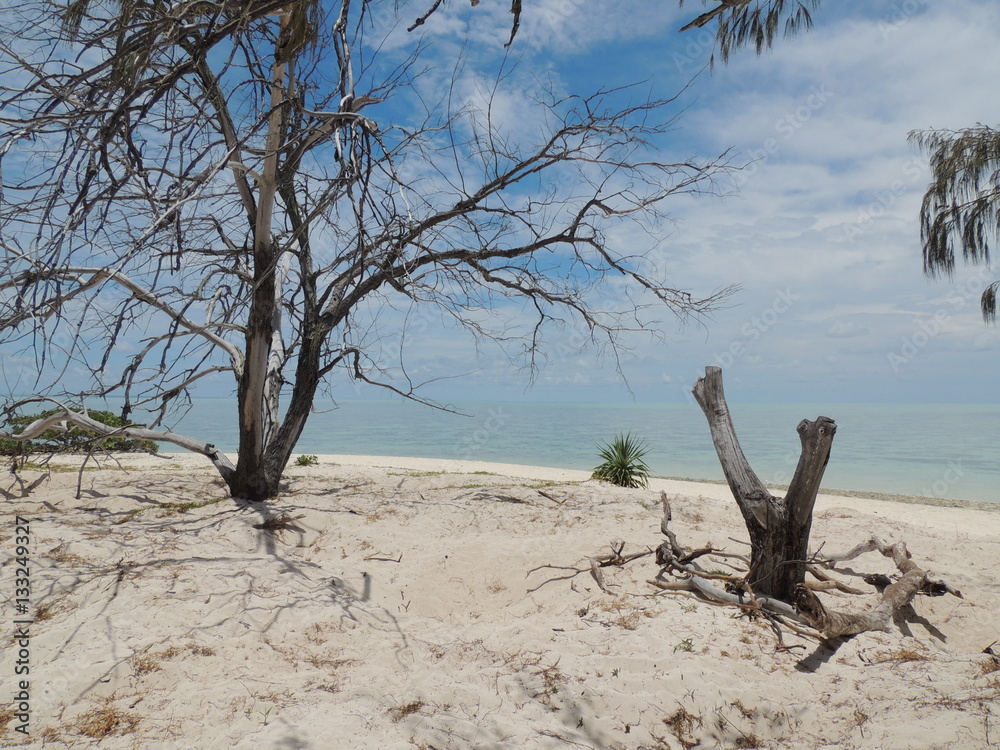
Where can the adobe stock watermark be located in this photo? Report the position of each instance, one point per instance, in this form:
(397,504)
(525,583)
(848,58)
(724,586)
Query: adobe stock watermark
(930,327)
(683,385)
(571,345)
(782,477)
(951,476)
(883,200)
(560,10)
(750,332)
(695,53)
(495,421)
(577,335)
(755,327)
(899,16)
(395,341)
(786,126)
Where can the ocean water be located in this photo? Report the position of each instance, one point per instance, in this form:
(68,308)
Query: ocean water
(936,450)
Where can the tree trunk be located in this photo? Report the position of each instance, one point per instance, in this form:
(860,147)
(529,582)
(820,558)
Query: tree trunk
(257,474)
(254,480)
(779,527)
(260,479)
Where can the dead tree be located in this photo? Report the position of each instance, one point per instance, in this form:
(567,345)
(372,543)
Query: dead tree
(773,579)
(259,190)
(778,526)
(680,572)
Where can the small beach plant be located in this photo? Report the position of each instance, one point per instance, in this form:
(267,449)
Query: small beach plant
(622,462)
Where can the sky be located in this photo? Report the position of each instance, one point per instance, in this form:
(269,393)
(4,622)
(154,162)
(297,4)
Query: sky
(819,230)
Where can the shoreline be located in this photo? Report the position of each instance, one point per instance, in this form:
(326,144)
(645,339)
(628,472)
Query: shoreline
(893,497)
(545,473)
(677,484)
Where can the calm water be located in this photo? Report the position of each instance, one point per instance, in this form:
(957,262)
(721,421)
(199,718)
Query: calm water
(943,450)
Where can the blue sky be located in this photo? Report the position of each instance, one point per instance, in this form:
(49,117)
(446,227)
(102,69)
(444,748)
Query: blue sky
(820,230)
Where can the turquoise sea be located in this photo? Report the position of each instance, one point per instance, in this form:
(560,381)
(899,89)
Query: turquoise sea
(937,450)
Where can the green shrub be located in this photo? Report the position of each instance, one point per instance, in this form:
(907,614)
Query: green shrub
(74,440)
(622,462)
(306,461)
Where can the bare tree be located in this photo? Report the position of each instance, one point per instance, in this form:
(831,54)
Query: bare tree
(259,188)
(779,529)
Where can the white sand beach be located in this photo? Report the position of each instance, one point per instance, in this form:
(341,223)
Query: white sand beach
(407,606)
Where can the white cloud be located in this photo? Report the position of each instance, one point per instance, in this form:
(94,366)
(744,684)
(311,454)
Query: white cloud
(824,225)
(846,329)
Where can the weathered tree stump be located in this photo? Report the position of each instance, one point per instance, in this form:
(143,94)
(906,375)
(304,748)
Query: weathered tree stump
(778,526)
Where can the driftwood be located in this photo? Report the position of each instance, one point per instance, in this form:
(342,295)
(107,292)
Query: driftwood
(617,558)
(824,582)
(808,609)
(778,526)
(672,557)
(913,580)
(689,576)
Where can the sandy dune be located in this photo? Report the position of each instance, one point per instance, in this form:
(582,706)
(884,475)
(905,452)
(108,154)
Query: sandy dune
(404,607)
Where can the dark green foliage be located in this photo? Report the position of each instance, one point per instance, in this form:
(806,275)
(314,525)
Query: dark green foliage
(988,302)
(754,23)
(306,460)
(73,440)
(622,462)
(961,209)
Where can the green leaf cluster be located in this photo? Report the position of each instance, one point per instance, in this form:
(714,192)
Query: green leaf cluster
(622,462)
(74,440)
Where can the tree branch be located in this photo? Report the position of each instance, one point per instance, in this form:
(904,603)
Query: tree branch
(913,580)
(749,491)
(64,414)
(99,276)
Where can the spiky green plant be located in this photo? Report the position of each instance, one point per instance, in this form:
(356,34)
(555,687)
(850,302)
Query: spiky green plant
(622,462)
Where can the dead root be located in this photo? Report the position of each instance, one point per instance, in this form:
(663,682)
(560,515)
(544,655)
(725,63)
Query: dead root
(617,558)
(913,580)
(685,570)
